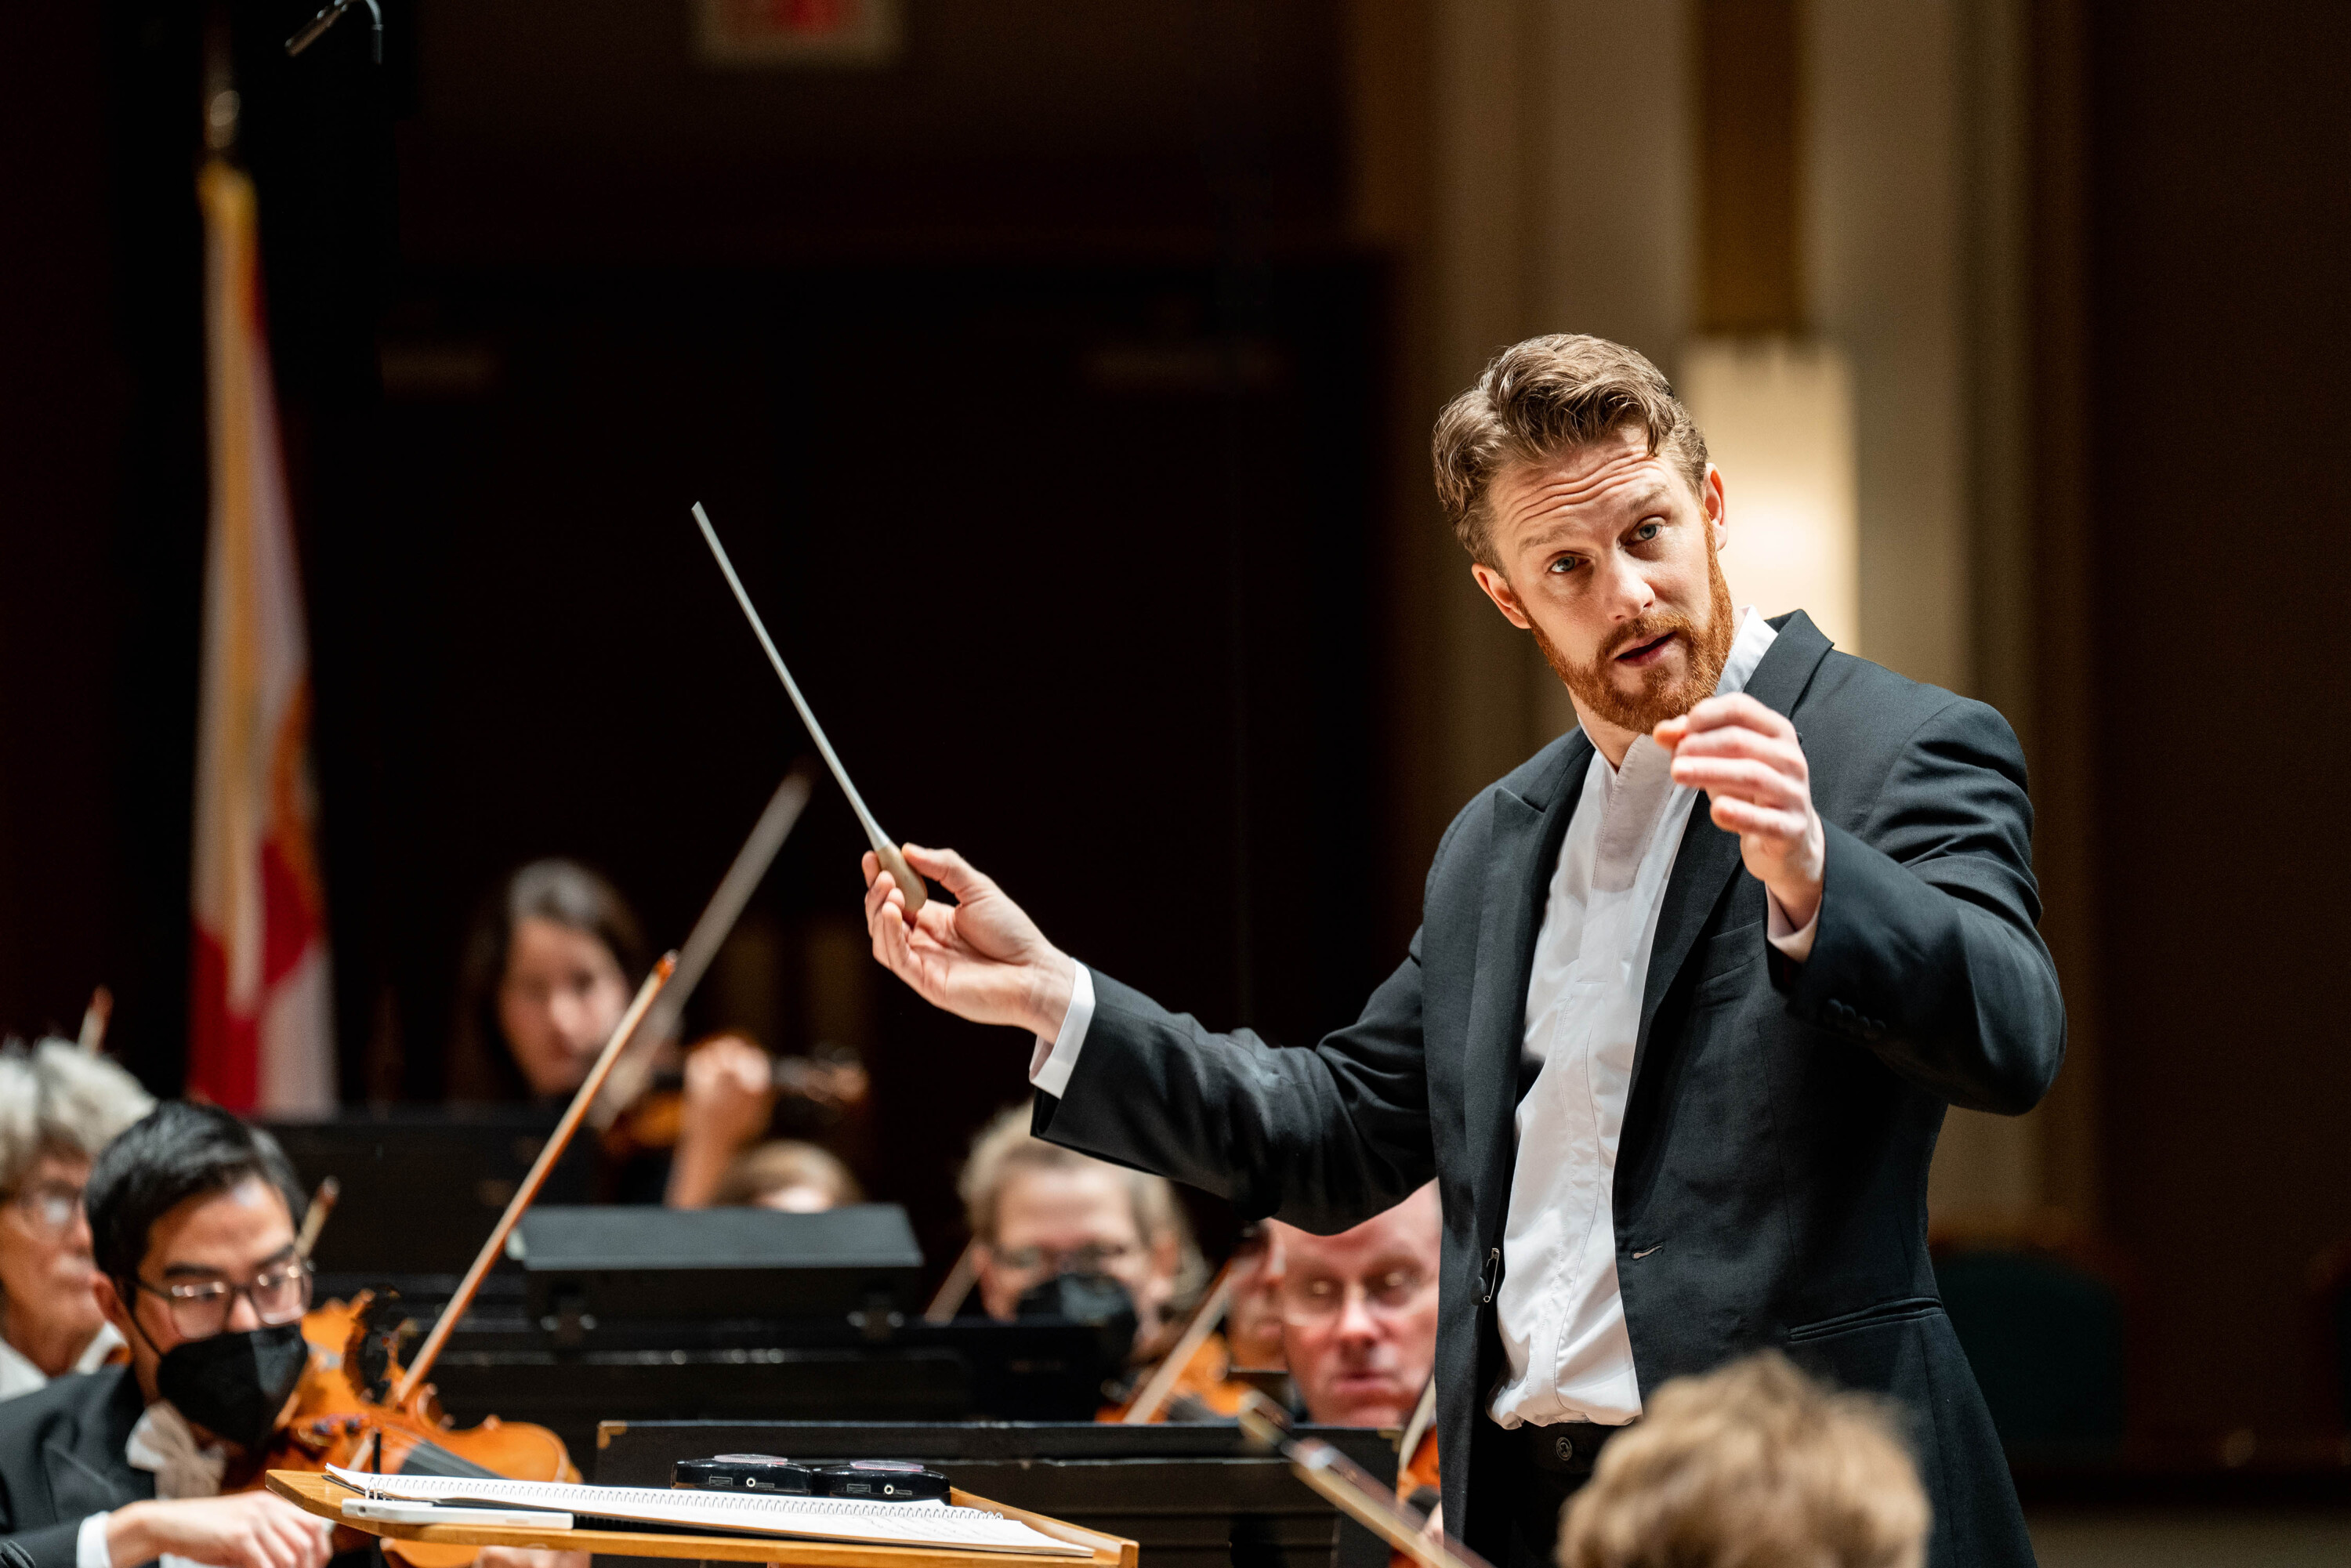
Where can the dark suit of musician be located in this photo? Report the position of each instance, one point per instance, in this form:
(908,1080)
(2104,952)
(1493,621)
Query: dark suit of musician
(1679,1064)
(61,1461)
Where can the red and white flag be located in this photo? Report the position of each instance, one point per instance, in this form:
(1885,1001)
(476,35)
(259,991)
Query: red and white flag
(260,1026)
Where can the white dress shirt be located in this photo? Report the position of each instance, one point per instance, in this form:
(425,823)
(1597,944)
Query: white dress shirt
(19,1375)
(163,1444)
(1567,1356)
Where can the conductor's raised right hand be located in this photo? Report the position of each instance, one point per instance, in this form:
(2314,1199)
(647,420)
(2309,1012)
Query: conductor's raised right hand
(980,957)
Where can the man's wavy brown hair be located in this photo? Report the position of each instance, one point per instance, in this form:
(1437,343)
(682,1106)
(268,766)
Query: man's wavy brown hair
(1543,398)
(1753,1466)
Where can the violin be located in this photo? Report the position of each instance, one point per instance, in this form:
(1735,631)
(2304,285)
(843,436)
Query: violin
(357,1406)
(833,1085)
(341,1414)
(1194,1381)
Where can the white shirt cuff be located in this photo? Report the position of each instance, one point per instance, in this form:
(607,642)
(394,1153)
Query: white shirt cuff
(89,1546)
(1783,933)
(1049,1068)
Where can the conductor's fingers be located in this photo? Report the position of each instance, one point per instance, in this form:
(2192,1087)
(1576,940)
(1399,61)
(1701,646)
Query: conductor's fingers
(870,864)
(955,874)
(885,922)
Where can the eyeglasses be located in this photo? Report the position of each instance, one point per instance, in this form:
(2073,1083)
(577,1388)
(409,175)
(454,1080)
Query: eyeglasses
(1318,1298)
(201,1309)
(48,1206)
(1094,1258)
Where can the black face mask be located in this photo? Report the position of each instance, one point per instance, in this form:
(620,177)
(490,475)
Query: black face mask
(1095,1300)
(234,1385)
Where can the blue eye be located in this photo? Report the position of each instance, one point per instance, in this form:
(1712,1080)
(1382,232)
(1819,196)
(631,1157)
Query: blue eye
(1646,531)
(1563,565)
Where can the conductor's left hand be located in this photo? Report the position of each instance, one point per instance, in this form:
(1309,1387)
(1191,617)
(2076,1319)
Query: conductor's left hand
(980,957)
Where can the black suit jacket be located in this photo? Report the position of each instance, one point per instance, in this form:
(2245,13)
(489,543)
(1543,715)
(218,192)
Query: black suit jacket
(61,1461)
(1770,1183)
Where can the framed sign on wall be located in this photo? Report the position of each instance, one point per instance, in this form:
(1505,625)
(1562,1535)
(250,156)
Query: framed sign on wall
(819,33)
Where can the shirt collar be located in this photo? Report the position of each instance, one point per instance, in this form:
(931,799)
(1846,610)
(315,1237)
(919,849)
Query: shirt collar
(1754,638)
(18,1373)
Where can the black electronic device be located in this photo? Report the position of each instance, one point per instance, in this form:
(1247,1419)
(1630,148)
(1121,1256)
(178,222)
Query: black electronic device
(881,1480)
(586,1270)
(744,1472)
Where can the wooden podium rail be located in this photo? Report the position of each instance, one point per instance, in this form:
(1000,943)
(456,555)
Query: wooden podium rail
(317,1494)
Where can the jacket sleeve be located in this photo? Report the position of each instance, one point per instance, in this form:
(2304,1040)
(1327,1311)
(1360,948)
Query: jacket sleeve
(1926,951)
(1325,1137)
(51,1546)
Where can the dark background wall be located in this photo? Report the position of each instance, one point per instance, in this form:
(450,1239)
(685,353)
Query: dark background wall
(2218,335)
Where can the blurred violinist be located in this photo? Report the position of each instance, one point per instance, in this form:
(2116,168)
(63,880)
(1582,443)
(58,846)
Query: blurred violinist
(1050,1227)
(191,1215)
(1359,1314)
(788,1175)
(1359,1328)
(59,1105)
(1253,1322)
(191,1218)
(550,968)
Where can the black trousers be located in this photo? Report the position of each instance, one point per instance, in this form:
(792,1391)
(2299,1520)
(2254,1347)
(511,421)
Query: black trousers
(1553,1463)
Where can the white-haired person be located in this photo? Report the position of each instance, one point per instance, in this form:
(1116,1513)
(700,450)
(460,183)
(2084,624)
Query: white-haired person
(59,1105)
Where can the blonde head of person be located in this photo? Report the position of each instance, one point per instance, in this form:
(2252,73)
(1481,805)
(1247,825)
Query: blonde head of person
(1038,1210)
(1752,1466)
(788,1175)
(59,1106)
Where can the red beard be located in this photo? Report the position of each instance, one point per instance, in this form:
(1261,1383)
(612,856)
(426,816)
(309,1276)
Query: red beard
(1661,696)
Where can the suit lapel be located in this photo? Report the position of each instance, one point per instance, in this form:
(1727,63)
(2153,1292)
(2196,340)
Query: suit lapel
(1709,857)
(1521,852)
(88,1471)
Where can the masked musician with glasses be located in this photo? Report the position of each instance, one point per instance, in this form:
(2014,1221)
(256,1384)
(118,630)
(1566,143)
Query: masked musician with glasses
(59,1105)
(191,1215)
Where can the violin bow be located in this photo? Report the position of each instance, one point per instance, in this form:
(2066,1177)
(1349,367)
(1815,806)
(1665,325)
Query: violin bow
(622,1033)
(949,1298)
(702,944)
(314,1218)
(1354,1490)
(94,1020)
(1205,1319)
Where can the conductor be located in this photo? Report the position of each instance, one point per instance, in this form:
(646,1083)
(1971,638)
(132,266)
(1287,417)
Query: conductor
(1677,1072)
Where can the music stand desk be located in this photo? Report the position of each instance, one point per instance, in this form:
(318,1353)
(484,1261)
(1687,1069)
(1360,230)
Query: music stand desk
(317,1494)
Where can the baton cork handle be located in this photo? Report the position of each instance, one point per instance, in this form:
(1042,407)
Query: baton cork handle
(908,882)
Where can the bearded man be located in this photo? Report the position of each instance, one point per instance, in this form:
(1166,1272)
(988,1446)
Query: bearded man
(1678,1073)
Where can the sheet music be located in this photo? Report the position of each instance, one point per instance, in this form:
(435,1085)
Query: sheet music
(817,1517)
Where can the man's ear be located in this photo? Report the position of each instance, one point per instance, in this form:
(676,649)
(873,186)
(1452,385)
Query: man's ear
(1718,512)
(112,1305)
(1498,588)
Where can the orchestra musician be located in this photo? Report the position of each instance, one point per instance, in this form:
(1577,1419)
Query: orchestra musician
(59,1105)
(1358,1315)
(1041,1214)
(1677,1071)
(789,1174)
(549,968)
(191,1218)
